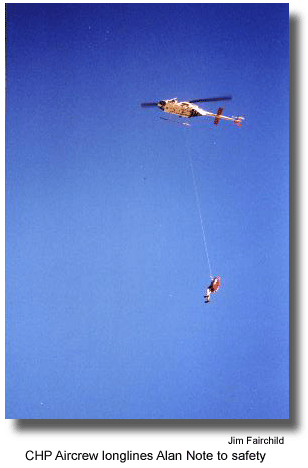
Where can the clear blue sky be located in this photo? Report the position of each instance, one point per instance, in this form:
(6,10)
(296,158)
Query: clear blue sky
(105,266)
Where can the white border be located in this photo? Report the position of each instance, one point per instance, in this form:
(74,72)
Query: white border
(17,439)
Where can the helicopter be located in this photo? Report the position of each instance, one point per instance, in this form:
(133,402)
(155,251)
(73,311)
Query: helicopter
(190,109)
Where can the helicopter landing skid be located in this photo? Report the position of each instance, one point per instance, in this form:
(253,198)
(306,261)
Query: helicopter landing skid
(176,122)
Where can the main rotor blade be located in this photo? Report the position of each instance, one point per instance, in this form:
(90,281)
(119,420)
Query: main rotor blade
(225,98)
(149,104)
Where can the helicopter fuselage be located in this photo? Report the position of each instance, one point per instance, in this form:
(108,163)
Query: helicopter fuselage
(184,109)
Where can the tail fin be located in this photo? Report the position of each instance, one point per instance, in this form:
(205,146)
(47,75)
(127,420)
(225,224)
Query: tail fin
(218,113)
(238,120)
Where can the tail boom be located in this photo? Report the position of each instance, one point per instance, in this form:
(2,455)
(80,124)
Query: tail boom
(218,116)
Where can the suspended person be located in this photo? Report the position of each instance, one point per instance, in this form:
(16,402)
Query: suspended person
(213,287)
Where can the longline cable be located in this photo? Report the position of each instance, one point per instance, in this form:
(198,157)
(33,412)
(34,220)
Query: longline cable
(199,211)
